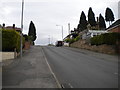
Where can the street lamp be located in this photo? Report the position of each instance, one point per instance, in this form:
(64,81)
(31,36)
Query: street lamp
(68,28)
(21,29)
(62,30)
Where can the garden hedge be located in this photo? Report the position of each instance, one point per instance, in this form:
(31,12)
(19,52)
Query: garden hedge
(107,38)
(11,40)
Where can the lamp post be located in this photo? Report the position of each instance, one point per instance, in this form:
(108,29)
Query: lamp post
(62,30)
(21,29)
(68,28)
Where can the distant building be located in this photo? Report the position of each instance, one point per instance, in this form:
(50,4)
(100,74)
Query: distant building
(115,27)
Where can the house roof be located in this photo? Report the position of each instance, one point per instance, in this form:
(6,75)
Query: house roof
(115,24)
(11,27)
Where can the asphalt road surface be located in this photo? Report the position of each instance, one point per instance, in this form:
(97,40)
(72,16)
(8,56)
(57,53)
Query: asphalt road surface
(78,68)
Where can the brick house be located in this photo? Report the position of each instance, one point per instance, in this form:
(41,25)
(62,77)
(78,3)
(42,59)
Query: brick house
(115,27)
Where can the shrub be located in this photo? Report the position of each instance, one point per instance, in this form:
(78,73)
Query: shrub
(67,40)
(107,38)
(26,37)
(77,38)
(11,40)
(70,40)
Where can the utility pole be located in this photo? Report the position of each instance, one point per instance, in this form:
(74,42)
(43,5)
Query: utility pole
(69,32)
(21,29)
(62,33)
(68,28)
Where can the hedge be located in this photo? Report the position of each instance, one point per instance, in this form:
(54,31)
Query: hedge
(11,40)
(107,38)
(70,40)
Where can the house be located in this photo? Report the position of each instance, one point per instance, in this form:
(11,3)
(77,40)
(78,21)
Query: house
(11,28)
(115,27)
(91,33)
(16,28)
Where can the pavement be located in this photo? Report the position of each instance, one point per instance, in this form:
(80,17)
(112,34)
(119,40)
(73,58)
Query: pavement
(30,71)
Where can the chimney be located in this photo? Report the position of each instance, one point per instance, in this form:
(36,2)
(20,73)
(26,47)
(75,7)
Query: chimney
(97,20)
(13,26)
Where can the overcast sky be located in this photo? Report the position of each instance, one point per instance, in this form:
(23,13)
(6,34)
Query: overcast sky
(45,14)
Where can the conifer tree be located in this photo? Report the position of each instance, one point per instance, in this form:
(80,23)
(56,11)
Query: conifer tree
(109,16)
(83,21)
(32,31)
(91,17)
(102,24)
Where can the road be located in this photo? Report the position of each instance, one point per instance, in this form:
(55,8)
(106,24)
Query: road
(82,68)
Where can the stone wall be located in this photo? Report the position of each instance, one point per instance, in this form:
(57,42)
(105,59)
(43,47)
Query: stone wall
(108,49)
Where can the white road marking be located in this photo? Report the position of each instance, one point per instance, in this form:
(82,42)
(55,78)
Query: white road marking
(116,73)
(70,85)
(51,70)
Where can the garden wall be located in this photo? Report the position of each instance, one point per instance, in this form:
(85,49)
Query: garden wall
(108,49)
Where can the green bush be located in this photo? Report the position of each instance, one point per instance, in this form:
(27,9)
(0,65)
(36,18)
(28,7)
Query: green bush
(72,41)
(77,38)
(67,40)
(107,38)
(11,40)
